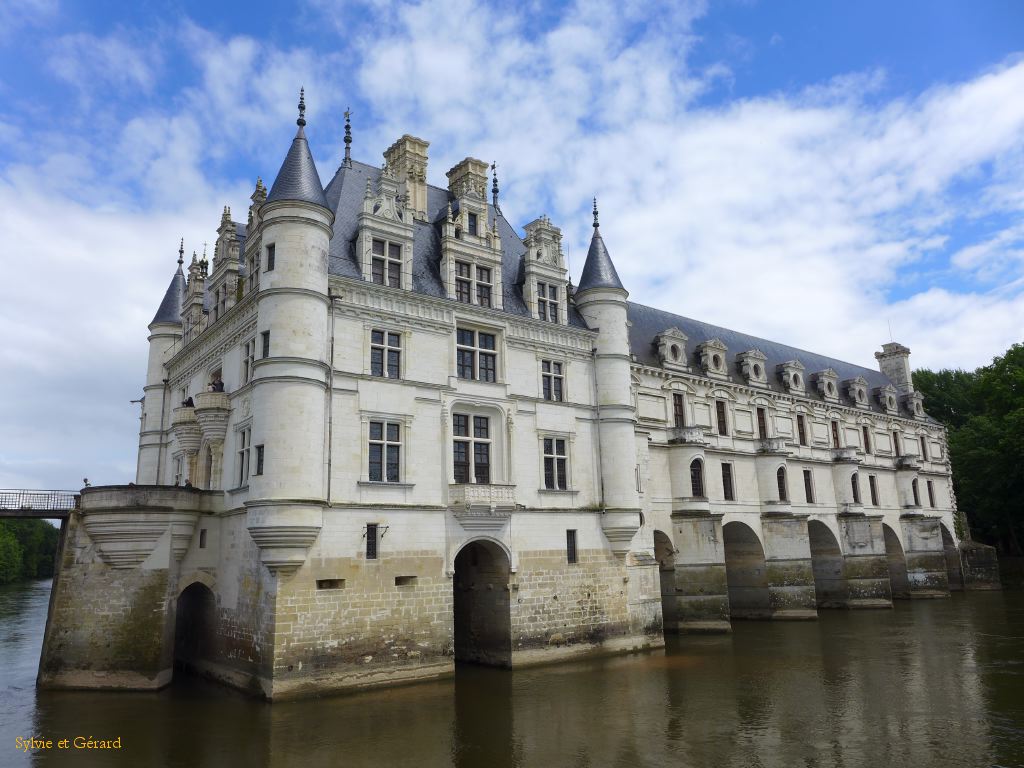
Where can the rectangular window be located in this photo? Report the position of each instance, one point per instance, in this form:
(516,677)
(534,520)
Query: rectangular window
(259,460)
(570,546)
(471,453)
(678,410)
(216,304)
(867,438)
(475,355)
(727,489)
(202,538)
(271,254)
(855,487)
(924,448)
(896,444)
(835,434)
(917,493)
(253,270)
(463,283)
(762,424)
(385,353)
(873,490)
(371,541)
(555,476)
(931,494)
(385,451)
(551,380)
(801,428)
(723,426)
(265,343)
(386,264)
(248,358)
(330,583)
(244,438)
(783,489)
(483,286)
(179,466)
(472,224)
(547,301)
(808,487)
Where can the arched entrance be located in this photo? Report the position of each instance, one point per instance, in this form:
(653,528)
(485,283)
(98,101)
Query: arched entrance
(195,627)
(830,585)
(897,564)
(665,554)
(954,568)
(745,572)
(483,621)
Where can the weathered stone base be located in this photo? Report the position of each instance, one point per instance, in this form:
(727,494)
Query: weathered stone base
(350,679)
(701,599)
(532,657)
(980,566)
(114,680)
(926,560)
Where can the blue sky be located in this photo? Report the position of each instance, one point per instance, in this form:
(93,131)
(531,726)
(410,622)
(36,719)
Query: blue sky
(810,172)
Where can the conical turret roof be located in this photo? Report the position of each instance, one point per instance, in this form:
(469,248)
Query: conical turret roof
(170,307)
(298,178)
(598,271)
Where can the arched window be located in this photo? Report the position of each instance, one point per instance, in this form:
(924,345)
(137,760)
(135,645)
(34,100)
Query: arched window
(783,489)
(697,478)
(855,484)
(917,493)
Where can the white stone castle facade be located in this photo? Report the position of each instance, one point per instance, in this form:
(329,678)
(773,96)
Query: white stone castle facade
(382,433)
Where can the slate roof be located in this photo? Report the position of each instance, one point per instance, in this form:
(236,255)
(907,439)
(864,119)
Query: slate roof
(598,270)
(298,178)
(170,308)
(648,322)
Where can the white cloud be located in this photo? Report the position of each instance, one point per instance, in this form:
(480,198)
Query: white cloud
(87,61)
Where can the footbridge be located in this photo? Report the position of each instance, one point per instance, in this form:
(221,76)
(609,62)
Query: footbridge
(33,503)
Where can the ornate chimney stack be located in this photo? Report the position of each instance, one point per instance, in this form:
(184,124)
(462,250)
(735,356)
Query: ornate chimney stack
(407,158)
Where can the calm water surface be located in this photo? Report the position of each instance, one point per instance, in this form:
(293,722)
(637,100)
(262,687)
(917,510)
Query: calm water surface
(933,683)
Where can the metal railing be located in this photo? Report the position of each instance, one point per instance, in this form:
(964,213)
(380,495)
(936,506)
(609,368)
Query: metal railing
(42,501)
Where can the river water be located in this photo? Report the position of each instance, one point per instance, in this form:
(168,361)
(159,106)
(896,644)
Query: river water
(930,683)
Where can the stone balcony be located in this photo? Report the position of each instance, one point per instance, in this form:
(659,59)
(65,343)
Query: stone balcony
(687,436)
(775,446)
(212,412)
(483,507)
(845,456)
(186,430)
(688,506)
(775,508)
(910,461)
(851,508)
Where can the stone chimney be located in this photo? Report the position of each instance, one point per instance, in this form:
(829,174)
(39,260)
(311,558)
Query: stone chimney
(469,176)
(407,158)
(894,362)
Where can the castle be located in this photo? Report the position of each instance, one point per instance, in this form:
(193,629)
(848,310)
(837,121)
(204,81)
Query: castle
(382,433)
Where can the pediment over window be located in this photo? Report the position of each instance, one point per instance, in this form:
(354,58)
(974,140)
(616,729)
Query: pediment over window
(751,364)
(827,384)
(671,345)
(711,355)
(792,374)
(857,390)
(886,397)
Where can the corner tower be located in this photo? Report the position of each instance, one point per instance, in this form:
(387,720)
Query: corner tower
(164,332)
(287,483)
(601,300)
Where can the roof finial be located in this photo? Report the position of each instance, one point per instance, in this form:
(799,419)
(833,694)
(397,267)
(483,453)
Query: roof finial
(595,213)
(181,252)
(302,108)
(494,183)
(348,137)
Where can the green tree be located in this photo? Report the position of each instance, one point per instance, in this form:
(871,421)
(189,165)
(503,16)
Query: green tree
(984,413)
(10,557)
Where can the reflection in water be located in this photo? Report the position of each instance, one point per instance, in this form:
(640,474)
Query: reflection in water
(933,683)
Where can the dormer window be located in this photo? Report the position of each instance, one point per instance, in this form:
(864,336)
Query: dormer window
(386,266)
(472,224)
(547,301)
(752,366)
(712,357)
(464,284)
(826,382)
(483,286)
(857,391)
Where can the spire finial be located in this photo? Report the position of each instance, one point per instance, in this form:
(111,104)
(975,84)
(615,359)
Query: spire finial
(348,137)
(494,182)
(595,213)
(181,252)
(302,108)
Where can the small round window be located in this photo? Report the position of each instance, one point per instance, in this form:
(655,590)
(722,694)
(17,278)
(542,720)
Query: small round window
(890,401)
(860,395)
(674,351)
(757,371)
(796,379)
(716,361)
(917,407)
(830,388)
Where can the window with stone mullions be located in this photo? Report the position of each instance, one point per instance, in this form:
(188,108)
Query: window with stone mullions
(547,301)
(387,263)
(385,451)
(471,453)
(552,380)
(555,477)
(244,438)
(253,278)
(385,354)
(248,358)
(483,286)
(463,282)
(475,354)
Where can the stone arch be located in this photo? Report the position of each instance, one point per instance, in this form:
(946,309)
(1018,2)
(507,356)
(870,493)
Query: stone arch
(195,577)
(665,554)
(195,628)
(830,585)
(482,604)
(512,558)
(954,566)
(898,579)
(746,572)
